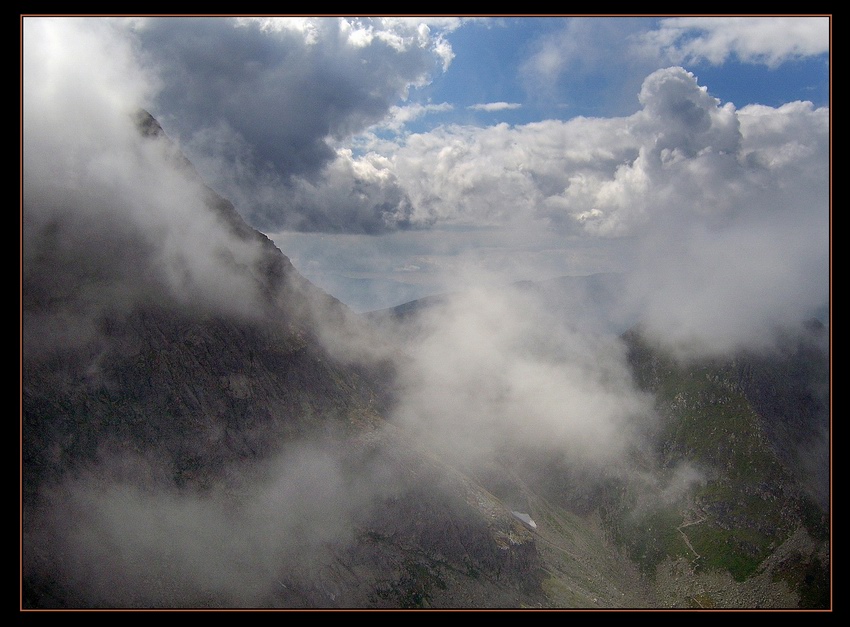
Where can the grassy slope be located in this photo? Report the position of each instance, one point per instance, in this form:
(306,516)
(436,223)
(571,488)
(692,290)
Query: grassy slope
(746,505)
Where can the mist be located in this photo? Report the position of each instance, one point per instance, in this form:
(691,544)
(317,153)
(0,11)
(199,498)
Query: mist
(111,219)
(494,370)
(121,533)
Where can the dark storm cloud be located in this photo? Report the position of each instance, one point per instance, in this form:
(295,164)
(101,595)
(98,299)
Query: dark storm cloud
(263,102)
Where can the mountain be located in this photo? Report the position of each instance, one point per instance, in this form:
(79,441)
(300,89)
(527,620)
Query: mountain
(178,453)
(202,427)
(595,300)
(728,504)
(757,427)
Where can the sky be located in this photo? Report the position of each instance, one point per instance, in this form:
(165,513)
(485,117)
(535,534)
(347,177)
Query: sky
(394,158)
(391,158)
(385,155)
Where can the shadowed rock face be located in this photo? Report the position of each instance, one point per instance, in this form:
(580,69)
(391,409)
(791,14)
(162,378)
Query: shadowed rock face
(200,386)
(791,391)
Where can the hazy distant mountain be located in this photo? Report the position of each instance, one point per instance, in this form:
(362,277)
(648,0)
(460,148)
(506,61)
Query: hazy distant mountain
(228,435)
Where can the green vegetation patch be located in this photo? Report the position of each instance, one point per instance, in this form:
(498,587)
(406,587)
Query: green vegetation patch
(413,587)
(650,537)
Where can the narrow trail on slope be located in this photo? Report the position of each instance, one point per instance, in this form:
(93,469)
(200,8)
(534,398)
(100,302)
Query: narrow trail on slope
(685,537)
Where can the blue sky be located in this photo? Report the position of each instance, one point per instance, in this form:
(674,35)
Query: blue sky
(491,66)
(392,158)
(490,56)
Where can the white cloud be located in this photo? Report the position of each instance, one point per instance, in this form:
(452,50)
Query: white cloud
(595,65)
(495,371)
(761,39)
(399,116)
(682,172)
(713,196)
(495,106)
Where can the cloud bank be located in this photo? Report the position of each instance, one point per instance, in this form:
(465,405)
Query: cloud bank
(729,208)
(724,211)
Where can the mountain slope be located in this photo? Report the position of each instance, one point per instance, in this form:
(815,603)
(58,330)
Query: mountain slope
(727,505)
(756,512)
(181,448)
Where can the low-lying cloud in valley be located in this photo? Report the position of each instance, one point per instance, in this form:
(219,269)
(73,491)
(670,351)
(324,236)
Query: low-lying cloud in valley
(492,371)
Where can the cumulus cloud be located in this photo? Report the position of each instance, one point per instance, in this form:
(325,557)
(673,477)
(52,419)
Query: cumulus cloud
(762,39)
(685,176)
(569,60)
(350,195)
(743,246)
(724,211)
(727,206)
